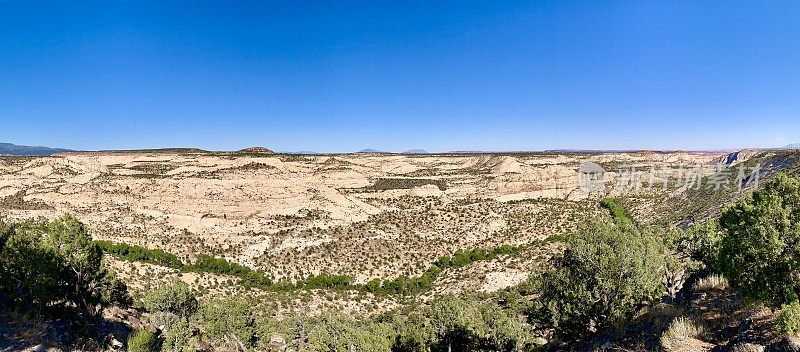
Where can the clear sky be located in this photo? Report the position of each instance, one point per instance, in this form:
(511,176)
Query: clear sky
(438,75)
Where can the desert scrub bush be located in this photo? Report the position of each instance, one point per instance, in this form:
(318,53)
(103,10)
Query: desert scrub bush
(179,337)
(761,242)
(605,273)
(789,321)
(49,265)
(711,282)
(143,341)
(452,323)
(680,330)
(700,242)
(230,316)
(176,298)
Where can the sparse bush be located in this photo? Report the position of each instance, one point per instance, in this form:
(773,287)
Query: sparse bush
(680,330)
(789,321)
(142,341)
(604,274)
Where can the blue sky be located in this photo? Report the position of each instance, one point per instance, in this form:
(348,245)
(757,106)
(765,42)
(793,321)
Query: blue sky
(448,75)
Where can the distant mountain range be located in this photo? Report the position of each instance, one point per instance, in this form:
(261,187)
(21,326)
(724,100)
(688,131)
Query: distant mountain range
(410,151)
(25,150)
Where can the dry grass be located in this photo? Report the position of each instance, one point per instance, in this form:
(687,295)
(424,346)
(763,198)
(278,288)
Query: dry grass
(711,282)
(680,334)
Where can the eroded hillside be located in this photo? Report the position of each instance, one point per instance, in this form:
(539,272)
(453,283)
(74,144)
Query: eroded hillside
(363,215)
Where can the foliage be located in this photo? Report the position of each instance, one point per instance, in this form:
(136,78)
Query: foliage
(143,341)
(43,265)
(456,325)
(505,332)
(383,184)
(760,249)
(402,285)
(789,321)
(700,242)
(176,298)
(617,212)
(336,332)
(604,274)
(230,316)
(141,254)
(178,337)
(249,277)
(326,281)
(253,278)
(405,285)
(459,324)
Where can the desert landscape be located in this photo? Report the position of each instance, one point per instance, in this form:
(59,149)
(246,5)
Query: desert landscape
(437,176)
(368,234)
(364,215)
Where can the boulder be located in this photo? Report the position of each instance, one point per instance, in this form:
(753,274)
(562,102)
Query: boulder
(787,344)
(747,347)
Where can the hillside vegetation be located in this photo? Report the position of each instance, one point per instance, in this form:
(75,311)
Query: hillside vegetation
(726,279)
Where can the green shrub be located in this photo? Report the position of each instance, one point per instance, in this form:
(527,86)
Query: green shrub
(457,324)
(143,341)
(334,331)
(327,281)
(405,285)
(141,254)
(604,274)
(249,277)
(179,337)
(617,212)
(700,242)
(229,316)
(761,242)
(176,298)
(55,264)
(789,320)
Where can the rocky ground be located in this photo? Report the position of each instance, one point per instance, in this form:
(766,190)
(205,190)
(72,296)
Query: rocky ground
(368,216)
(723,320)
(365,215)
